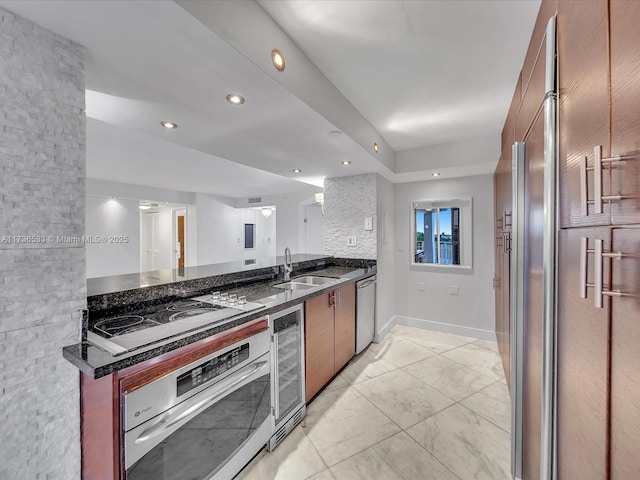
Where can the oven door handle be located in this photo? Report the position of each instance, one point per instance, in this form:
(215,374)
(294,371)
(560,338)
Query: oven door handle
(192,410)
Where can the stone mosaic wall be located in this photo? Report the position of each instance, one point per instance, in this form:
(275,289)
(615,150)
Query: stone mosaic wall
(347,201)
(42,255)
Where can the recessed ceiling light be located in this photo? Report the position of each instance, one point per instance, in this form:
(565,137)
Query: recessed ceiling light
(278,59)
(335,132)
(435,174)
(296,170)
(375,147)
(235,99)
(346,162)
(169,125)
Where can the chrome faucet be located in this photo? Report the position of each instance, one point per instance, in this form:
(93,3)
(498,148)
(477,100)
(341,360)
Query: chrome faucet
(288,266)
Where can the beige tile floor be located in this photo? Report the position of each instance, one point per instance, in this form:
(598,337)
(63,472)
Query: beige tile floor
(420,405)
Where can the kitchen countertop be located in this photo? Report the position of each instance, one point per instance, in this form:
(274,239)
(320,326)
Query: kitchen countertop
(97,363)
(130,281)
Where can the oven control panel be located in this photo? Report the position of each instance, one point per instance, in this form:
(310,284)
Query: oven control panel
(210,369)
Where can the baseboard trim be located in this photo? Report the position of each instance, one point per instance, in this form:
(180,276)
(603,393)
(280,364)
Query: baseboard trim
(381,333)
(444,327)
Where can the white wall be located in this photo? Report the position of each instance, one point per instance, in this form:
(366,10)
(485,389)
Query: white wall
(106,216)
(385,294)
(220,231)
(290,215)
(347,201)
(472,311)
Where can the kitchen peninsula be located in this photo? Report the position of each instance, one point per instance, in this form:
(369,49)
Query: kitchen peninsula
(254,279)
(225,362)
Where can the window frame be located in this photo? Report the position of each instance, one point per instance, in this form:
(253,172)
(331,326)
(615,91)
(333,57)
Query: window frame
(466,233)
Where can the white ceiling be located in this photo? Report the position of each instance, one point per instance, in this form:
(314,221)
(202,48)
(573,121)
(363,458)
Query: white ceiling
(421,73)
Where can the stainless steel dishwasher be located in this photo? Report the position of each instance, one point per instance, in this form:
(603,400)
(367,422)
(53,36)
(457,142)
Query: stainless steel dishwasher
(365,312)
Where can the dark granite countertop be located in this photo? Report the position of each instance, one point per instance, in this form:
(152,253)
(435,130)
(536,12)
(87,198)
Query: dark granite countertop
(97,363)
(131,281)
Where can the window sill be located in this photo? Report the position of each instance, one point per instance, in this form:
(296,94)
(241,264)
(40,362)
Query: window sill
(429,267)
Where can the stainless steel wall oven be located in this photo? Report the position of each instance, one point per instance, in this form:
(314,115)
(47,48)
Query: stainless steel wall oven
(205,420)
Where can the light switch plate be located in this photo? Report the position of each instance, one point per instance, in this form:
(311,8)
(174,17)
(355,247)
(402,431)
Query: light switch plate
(420,286)
(454,290)
(368,223)
(351,241)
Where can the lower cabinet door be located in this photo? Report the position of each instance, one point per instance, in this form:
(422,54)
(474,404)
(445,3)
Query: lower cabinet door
(583,356)
(345,322)
(318,343)
(625,355)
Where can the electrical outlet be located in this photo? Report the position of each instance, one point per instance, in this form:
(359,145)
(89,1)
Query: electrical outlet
(454,290)
(420,286)
(351,241)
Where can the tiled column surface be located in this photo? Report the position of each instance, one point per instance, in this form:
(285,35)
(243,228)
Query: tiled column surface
(347,201)
(42,257)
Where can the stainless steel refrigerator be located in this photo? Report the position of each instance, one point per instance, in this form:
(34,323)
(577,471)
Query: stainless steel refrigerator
(533,277)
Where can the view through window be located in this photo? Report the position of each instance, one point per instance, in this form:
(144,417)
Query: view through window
(437,235)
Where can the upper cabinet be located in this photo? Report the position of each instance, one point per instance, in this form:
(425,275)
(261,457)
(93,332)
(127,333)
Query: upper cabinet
(583,74)
(625,111)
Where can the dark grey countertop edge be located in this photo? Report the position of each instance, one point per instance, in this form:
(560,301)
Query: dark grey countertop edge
(76,354)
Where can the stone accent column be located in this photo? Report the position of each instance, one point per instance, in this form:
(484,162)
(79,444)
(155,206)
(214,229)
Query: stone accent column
(42,255)
(347,201)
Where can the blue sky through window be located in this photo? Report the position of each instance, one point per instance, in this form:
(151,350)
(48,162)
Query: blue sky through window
(445,221)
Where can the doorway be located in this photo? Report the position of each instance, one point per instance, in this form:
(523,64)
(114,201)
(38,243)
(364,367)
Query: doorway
(314,229)
(180,239)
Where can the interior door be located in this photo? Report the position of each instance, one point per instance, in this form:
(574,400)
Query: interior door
(625,356)
(314,229)
(151,238)
(180,226)
(583,357)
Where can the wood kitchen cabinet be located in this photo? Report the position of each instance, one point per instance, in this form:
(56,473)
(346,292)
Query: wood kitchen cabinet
(598,358)
(583,108)
(319,343)
(625,110)
(598,361)
(330,336)
(583,353)
(625,359)
(345,323)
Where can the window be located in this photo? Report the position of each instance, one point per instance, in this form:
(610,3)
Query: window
(441,233)
(249,235)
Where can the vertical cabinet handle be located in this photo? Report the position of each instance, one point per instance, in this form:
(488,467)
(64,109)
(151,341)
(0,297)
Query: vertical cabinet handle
(598,282)
(597,182)
(584,185)
(598,163)
(583,267)
(508,215)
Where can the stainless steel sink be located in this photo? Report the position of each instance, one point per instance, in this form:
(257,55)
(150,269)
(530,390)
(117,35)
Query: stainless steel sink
(295,286)
(315,280)
(307,282)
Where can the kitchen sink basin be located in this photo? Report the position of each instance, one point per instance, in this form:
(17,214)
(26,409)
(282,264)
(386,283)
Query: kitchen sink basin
(315,280)
(307,282)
